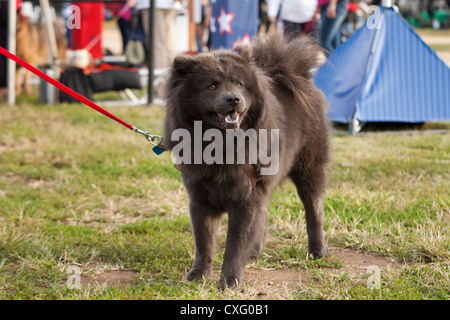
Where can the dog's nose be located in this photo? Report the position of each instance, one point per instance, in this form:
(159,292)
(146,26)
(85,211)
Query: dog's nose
(232,99)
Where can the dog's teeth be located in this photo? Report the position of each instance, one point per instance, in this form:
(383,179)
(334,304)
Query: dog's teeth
(232,118)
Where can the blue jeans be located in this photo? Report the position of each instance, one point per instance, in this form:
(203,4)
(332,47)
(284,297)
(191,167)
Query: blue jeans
(330,35)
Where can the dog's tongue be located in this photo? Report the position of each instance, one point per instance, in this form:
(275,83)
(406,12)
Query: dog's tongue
(232,117)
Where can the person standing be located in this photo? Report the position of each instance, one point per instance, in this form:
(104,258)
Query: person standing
(294,13)
(122,12)
(333,14)
(164,51)
(202,16)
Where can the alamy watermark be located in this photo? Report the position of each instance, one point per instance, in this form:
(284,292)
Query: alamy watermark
(74,279)
(262,147)
(374,280)
(74,17)
(374,20)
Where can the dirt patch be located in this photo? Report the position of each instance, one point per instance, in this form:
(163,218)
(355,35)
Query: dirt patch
(15,179)
(265,283)
(99,276)
(11,179)
(356,262)
(114,278)
(283,283)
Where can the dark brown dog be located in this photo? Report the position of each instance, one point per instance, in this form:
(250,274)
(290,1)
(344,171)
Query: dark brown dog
(267,86)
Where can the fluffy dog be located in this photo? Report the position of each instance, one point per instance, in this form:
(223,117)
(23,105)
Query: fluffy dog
(264,88)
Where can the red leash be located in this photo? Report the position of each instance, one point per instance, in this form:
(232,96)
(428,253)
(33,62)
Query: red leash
(155,140)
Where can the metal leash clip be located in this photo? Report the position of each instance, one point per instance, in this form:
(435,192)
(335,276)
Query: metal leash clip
(154,139)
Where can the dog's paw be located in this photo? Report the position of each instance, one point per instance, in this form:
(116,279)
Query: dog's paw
(318,253)
(228,282)
(195,275)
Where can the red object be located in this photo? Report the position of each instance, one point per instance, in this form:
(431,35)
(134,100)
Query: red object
(106,66)
(352,7)
(88,36)
(62,87)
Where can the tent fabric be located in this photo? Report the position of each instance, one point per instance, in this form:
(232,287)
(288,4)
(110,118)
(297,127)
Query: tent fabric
(386,75)
(340,78)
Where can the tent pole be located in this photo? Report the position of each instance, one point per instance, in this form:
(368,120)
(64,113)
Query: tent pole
(11,65)
(355,125)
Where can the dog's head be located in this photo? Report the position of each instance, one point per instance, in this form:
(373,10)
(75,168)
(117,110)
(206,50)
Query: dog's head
(220,88)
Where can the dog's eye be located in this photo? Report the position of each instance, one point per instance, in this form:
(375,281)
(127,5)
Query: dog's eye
(238,84)
(212,86)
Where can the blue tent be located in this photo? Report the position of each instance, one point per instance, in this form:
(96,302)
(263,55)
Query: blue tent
(385,73)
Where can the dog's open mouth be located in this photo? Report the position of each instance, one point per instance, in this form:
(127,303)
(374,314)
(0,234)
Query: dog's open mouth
(228,118)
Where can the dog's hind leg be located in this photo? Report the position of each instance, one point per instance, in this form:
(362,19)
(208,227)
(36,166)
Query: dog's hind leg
(204,223)
(310,185)
(259,240)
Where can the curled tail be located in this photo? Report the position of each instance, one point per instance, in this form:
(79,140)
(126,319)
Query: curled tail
(290,66)
(298,57)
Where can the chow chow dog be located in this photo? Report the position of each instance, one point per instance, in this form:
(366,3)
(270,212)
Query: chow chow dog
(263,88)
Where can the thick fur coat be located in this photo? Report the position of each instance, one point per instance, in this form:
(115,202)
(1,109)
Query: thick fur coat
(266,86)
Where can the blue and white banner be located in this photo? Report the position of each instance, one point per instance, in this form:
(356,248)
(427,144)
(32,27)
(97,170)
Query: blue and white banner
(233,21)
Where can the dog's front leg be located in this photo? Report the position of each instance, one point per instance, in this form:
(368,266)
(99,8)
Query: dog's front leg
(204,223)
(242,231)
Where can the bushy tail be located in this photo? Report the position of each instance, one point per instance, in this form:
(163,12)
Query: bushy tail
(290,65)
(280,58)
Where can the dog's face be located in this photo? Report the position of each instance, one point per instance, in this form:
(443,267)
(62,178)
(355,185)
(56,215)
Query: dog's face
(219,88)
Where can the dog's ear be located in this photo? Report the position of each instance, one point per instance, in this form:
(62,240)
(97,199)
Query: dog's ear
(184,64)
(245,51)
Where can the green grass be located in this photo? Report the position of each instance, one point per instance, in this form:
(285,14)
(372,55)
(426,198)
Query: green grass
(440,47)
(78,188)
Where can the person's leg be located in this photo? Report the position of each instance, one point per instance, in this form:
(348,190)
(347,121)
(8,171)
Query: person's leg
(164,46)
(169,39)
(329,32)
(325,28)
(341,14)
(199,36)
(160,53)
(124,27)
(144,16)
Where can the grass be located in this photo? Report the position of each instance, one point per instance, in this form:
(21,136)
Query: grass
(432,32)
(440,47)
(78,188)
